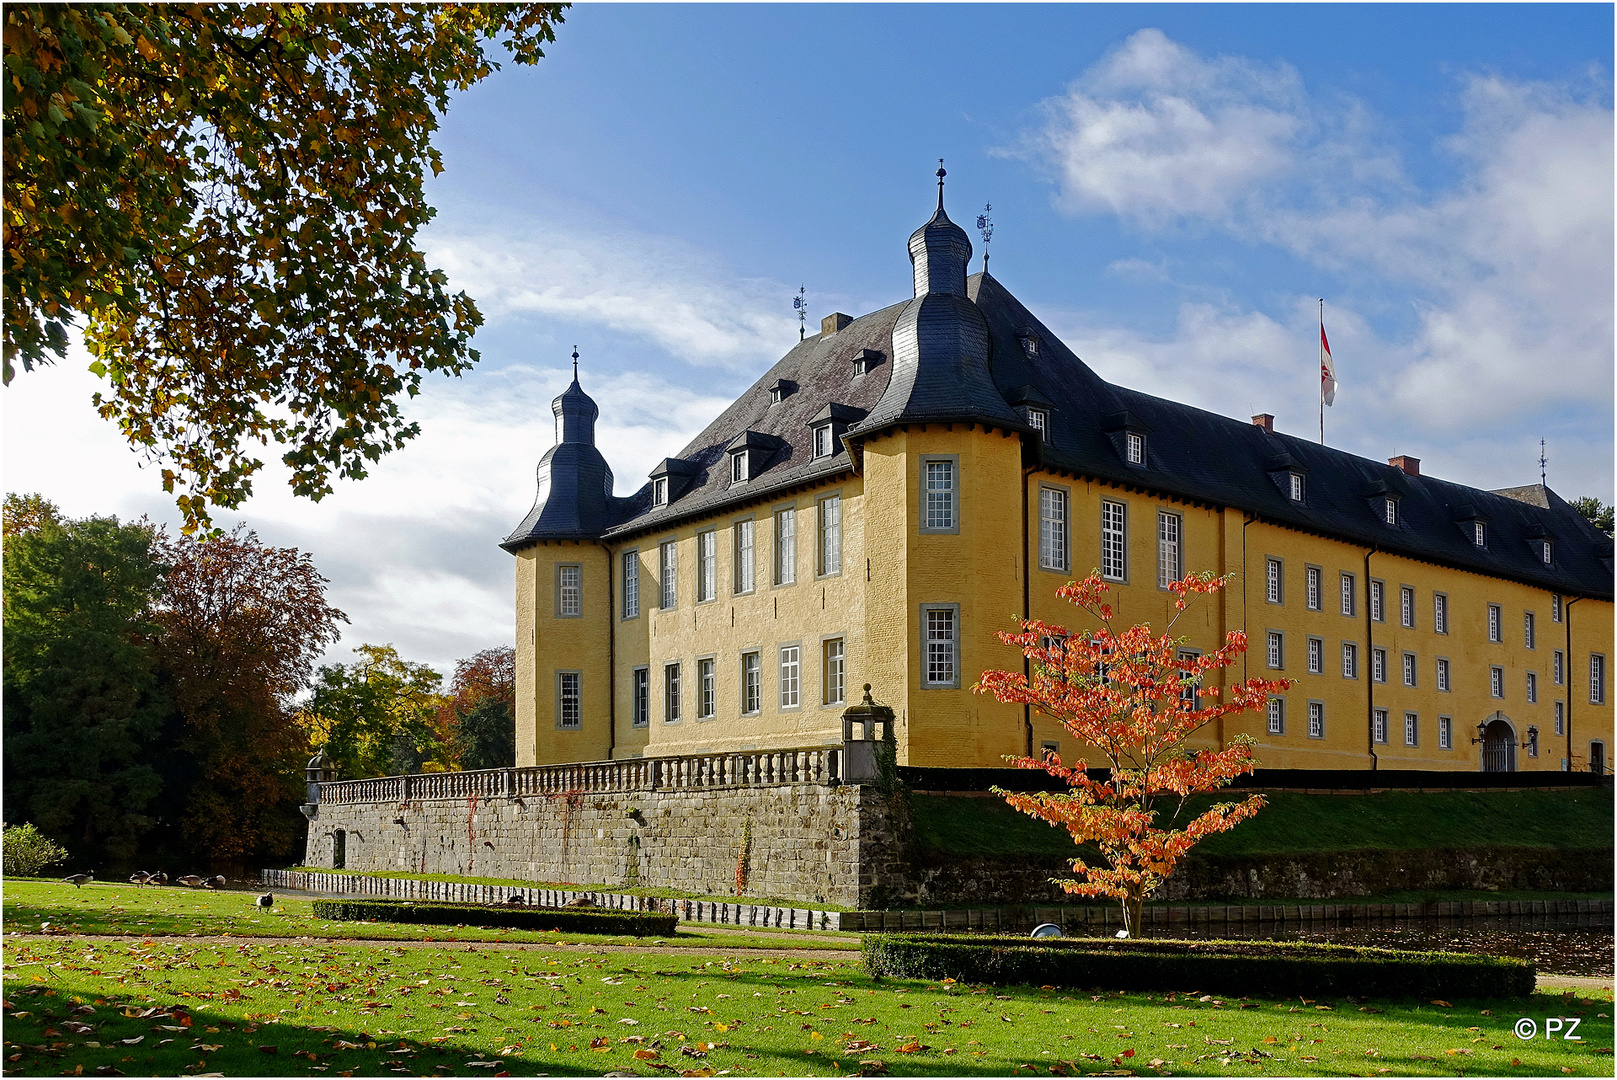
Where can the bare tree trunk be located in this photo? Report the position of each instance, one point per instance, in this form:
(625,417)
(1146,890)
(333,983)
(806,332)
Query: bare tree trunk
(1134,915)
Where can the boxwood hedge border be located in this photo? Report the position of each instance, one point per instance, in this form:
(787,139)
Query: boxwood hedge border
(1233,968)
(430,913)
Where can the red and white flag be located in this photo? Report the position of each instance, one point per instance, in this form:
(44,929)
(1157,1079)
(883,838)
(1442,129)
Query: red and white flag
(1327,370)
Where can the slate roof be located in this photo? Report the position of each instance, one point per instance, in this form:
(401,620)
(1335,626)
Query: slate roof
(1190,453)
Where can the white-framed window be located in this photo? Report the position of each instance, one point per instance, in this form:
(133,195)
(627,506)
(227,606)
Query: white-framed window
(752,683)
(631,584)
(1529,631)
(1493,622)
(830,534)
(640,696)
(1440,613)
(1316,719)
(1316,656)
(1136,447)
(745,557)
(1039,420)
(1277,650)
(823,444)
(1189,681)
(1348,592)
(1350,660)
(1479,533)
(1378,611)
(1378,725)
(1443,674)
(1411,729)
(1391,511)
(1298,490)
(671,692)
(791,669)
(670,574)
(940,627)
(707,689)
(834,671)
(1555,608)
(786,546)
(1315,599)
(1113,540)
(659,491)
(1557,667)
(1170,564)
(1277,716)
(1053,538)
(939,510)
(1273,580)
(707,566)
(1547,552)
(569,590)
(1378,665)
(1496,682)
(569,704)
(1560,718)
(1406,606)
(738,467)
(1597,679)
(1409,669)
(1445,733)
(1532,688)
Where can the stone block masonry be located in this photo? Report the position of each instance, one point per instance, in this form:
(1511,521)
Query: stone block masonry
(665,823)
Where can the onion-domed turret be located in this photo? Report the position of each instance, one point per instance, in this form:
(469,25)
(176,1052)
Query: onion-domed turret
(575,411)
(940,251)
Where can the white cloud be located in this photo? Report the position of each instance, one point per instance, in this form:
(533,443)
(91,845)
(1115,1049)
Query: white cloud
(1155,133)
(652,287)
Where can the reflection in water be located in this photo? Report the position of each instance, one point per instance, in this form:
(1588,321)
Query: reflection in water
(1557,945)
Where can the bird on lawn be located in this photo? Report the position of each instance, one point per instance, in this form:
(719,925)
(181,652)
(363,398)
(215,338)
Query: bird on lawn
(158,878)
(265,901)
(139,877)
(216,882)
(190,880)
(516,900)
(79,880)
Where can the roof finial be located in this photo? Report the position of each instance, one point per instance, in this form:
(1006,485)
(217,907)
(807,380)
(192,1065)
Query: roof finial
(941,174)
(985,228)
(1542,462)
(575,363)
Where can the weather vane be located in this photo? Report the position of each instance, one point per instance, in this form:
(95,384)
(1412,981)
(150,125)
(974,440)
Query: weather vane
(800,302)
(1542,462)
(985,228)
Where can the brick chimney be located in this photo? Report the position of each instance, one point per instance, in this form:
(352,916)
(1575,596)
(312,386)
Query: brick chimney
(1410,465)
(834,322)
(1264,420)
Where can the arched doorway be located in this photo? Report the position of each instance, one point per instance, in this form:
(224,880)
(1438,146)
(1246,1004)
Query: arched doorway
(1498,745)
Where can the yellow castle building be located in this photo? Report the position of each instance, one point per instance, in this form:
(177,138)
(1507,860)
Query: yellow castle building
(899,488)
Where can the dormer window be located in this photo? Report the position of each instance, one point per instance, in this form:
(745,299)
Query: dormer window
(659,491)
(738,467)
(824,445)
(780,389)
(1030,343)
(1136,447)
(1479,533)
(1391,511)
(1039,420)
(864,360)
(1298,491)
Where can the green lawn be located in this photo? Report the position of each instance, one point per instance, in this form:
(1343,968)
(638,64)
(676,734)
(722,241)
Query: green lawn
(1297,823)
(303,1006)
(125,909)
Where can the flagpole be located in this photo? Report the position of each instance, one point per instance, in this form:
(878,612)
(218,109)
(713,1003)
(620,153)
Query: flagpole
(1322,384)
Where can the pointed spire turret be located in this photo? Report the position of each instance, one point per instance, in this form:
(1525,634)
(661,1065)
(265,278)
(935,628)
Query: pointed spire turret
(576,411)
(940,251)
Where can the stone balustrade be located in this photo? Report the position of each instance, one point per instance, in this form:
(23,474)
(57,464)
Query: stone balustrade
(770,768)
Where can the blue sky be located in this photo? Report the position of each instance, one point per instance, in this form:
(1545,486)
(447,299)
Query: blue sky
(1174,186)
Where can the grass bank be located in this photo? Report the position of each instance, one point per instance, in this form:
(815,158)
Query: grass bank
(1298,823)
(260,1007)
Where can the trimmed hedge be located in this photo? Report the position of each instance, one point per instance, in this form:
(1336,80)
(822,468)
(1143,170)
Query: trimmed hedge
(1235,968)
(432,913)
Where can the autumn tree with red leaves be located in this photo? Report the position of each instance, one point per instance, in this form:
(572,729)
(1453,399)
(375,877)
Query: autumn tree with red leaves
(242,624)
(1137,698)
(476,722)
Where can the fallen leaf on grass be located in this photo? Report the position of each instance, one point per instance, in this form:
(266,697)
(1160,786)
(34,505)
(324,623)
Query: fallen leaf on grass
(914,1047)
